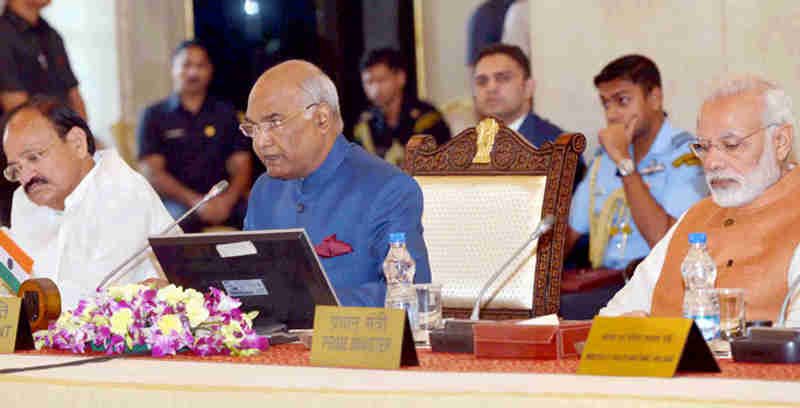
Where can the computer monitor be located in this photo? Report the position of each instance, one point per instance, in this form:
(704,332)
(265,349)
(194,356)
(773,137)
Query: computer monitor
(275,272)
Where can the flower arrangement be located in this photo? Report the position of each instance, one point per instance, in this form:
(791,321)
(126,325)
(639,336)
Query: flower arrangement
(164,321)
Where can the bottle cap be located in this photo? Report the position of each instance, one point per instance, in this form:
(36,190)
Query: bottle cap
(697,238)
(397,237)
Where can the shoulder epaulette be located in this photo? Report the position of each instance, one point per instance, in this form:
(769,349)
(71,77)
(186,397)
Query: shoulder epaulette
(427,121)
(688,159)
(681,139)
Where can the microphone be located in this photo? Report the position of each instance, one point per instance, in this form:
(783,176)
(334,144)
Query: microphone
(785,306)
(545,225)
(216,190)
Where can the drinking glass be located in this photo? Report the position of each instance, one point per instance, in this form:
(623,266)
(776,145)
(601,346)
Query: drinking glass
(731,313)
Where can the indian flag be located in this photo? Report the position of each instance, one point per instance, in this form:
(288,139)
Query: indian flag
(15,264)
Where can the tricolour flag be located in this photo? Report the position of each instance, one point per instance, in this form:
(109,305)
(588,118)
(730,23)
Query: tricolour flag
(15,264)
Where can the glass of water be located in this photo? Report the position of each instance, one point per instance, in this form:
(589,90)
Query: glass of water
(429,311)
(731,313)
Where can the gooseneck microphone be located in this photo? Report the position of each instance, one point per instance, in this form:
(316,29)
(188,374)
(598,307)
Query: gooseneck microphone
(546,224)
(786,301)
(216,190)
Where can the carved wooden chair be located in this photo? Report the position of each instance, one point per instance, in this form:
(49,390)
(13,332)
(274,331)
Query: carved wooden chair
(485,191)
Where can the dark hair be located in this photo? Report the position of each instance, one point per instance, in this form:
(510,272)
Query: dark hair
(636,68)
(511,51)
(189,44)
(61,116)
(387,56)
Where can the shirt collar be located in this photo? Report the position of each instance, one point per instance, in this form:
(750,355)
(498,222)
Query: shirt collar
(174,103)
(77,195)
(515,125)
(663,142)
(339,151)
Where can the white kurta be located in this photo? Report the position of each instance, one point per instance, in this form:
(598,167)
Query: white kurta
(105,220)
(637,294)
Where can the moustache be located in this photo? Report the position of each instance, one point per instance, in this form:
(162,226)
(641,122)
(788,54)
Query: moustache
(34,181)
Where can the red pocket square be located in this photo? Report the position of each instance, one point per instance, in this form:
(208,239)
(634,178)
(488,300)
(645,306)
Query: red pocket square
(330,247)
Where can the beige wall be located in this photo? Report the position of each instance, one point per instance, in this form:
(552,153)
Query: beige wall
(120,52)
(444,35)
(89,31)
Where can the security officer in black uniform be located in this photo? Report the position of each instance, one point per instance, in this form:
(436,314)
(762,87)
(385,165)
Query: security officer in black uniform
(190,141)
(32,61)
(385,128)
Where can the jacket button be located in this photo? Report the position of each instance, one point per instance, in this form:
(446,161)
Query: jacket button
(728,222)
(300,207)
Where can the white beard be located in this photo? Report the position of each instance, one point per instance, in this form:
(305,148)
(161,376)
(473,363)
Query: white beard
(750,185)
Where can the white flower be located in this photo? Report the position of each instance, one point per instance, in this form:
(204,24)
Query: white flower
(171,294)
(227,303)
(196,311)
(125,292)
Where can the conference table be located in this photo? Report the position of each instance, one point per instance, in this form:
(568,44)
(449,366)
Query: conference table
(282,375)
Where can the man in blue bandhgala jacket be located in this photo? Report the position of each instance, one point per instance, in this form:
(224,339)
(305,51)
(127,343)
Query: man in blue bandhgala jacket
(343,196)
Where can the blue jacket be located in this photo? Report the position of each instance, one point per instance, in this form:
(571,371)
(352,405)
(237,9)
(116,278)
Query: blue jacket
(360,198)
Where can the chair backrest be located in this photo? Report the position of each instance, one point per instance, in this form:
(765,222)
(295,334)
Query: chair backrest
(485,191)
(125,140)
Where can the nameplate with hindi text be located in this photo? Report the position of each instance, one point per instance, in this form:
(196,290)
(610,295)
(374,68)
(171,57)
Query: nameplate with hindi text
(363,337)
(645,347)
(9,322)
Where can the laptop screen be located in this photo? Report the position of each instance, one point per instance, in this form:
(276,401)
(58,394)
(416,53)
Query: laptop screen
(275,272)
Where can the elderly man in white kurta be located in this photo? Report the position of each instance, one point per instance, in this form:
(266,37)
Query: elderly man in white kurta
(78,213)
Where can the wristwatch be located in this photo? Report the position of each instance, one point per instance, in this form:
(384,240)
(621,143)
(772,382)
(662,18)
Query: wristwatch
(625,168)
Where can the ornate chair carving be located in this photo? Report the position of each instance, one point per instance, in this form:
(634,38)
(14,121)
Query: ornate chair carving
(485,191)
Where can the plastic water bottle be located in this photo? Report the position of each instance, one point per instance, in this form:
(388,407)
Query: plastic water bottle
(700,301)
(399,268)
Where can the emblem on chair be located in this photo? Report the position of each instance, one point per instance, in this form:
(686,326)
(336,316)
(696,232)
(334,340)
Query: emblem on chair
(487,130)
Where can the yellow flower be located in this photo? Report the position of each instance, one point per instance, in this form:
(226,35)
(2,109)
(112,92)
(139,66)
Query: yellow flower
(169,323)
(196,311)
(228,333)
(171,294)
(191,295)
(100,320)
(124,292)
(120,321)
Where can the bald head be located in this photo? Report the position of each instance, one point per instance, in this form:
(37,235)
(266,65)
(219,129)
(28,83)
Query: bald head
(295,109)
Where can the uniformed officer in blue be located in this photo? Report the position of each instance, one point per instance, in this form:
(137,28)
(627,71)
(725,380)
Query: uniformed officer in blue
(190,141)
(319,181)
(643,176)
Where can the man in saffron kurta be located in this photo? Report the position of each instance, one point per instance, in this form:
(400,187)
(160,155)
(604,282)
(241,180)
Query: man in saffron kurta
(745,132)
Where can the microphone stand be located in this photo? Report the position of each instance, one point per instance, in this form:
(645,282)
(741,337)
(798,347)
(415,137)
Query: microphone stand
(786,301)
(215,191)
(544,225)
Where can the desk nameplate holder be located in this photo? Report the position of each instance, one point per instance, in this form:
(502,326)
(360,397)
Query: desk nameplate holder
(362,337)
(645,347)
(15,331)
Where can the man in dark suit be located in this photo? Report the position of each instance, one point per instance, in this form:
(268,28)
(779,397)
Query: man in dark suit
(502,87)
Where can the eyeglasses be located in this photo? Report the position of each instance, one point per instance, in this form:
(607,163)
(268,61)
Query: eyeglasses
(251,129)
(701,148)
(29,158)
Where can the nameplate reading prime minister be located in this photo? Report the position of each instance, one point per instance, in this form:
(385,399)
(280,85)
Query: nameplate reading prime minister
(645,347)
(363,337)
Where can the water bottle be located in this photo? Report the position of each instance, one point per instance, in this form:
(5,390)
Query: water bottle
(700,301)
(399,268)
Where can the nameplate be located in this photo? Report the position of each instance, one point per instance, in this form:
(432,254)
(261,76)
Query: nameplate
(363,337)
(15,332)
(645,347)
